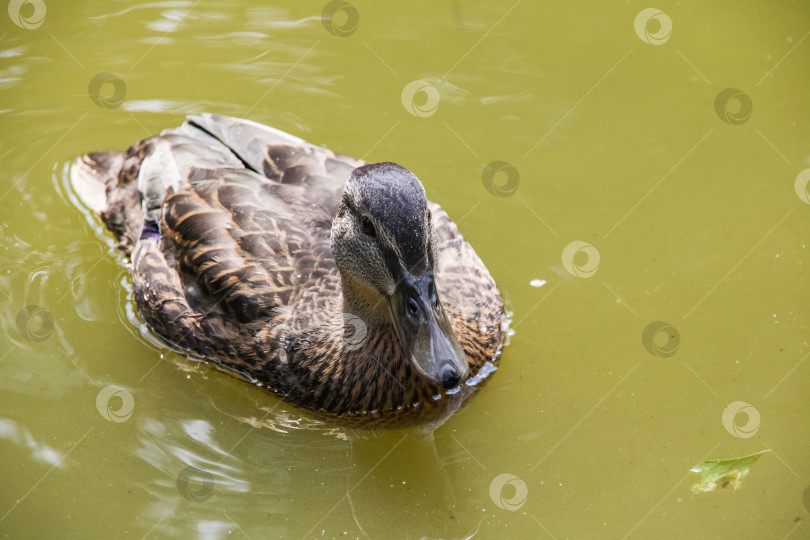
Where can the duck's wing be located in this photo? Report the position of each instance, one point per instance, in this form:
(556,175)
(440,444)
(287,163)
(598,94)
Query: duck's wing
(248,214)
(468,293)
(227,221)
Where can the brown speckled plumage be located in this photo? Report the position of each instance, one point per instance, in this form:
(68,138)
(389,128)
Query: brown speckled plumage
(239,269)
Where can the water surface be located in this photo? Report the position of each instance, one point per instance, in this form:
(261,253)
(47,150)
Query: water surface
(686,209)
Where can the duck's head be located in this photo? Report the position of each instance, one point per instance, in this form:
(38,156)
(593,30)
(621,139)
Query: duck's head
(385,248)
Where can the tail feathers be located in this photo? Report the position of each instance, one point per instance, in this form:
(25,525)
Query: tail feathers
(103,182)
(91,174)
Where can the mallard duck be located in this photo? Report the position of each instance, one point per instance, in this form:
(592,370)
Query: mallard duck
(332,282)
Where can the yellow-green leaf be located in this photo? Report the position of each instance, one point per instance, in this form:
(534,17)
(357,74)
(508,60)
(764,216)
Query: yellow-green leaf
(718,474)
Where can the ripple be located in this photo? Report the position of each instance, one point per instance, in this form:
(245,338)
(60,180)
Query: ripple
(149,5)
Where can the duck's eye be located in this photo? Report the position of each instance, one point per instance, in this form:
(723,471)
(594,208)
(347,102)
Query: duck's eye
(367,226)
(413,307)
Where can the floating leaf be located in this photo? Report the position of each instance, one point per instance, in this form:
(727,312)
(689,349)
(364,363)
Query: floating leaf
(717,474)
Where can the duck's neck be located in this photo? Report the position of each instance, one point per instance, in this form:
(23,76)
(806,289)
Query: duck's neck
(364,302)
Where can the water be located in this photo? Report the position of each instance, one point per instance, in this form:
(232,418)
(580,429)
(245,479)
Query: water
(612,139)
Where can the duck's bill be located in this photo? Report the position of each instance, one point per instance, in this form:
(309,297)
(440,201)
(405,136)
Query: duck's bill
(425,332)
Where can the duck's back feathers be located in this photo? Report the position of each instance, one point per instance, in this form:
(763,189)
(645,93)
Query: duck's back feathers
(276,155)
(469,293)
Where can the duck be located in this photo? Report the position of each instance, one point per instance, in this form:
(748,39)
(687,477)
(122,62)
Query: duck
(332,282)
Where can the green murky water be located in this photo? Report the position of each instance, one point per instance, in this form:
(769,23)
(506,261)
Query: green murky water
(684,201)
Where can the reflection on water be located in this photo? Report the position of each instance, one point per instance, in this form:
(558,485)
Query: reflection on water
(604,138)
(13,433)
(278,454)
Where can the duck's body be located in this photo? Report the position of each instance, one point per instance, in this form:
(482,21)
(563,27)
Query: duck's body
(245,251)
